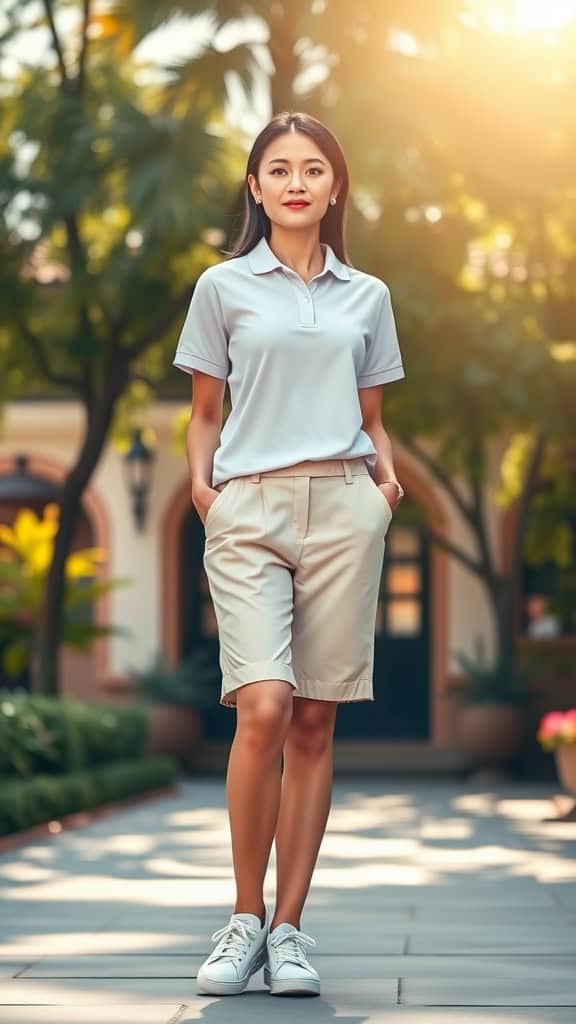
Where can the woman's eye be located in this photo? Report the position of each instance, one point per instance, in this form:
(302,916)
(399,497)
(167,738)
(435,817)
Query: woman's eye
(318,169)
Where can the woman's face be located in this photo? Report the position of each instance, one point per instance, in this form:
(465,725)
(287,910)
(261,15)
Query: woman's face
(294,168)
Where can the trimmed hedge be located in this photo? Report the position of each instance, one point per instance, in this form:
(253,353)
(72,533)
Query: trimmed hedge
(57,735)
(59,756)
(28,802)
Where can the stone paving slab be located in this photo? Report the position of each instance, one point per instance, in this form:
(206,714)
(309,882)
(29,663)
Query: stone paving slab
(257,1009)
(170,966)
(481,968)
(113,992)
(99,943)
(361,1008)
(16,925)
(566,896)
(466,898)
(140,1013)
(498,991)
(10,968)
(508,941)
(529,917)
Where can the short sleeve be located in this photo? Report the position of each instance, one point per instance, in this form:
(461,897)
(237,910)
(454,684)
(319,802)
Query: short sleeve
(203,342)
(383,360)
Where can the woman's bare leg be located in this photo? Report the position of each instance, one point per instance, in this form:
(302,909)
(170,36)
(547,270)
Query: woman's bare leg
(306,794)
(263,710)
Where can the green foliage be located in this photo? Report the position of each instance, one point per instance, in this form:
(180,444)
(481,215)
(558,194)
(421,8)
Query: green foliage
(487,683)
(191,684)
(110,181)
(550,541)
(45,798)
(52,736)
(25,555)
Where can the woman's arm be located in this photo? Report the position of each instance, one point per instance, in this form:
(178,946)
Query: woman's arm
(384,474)
(203,436)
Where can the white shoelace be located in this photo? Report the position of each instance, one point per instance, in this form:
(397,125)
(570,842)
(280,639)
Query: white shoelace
(234,935)
(294,950)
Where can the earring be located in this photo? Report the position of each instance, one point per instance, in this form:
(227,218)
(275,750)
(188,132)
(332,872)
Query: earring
(333,200)
(258,200)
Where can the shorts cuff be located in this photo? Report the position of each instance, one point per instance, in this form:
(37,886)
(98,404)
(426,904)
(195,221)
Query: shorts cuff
(344,692)
(253,673)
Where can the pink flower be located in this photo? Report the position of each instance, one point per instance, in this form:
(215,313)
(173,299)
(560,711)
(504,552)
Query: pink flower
(557,728)
(551,724)
(569,726)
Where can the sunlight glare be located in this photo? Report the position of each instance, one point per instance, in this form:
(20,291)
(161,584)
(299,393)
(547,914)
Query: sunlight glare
(519,17)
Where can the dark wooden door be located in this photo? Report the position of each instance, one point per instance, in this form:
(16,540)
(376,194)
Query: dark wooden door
(401,708)
(199,626)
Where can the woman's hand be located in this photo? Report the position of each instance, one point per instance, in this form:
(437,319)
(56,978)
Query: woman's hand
(202,498)
(392,494)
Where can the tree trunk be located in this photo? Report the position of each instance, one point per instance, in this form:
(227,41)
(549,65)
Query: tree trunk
(500,587)
(46,666)
(504,587)
(45,672)
(503,601)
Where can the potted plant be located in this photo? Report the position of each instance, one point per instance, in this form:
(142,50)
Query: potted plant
(557,732)
(492,721)
(176,698)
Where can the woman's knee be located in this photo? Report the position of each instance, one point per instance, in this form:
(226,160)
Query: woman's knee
(311,728)
(264,711)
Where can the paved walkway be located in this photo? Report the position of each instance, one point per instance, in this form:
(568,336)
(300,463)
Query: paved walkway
(431,902)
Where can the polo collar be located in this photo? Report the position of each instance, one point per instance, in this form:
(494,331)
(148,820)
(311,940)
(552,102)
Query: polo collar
(262,259)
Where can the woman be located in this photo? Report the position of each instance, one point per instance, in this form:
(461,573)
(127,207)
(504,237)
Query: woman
(296,495)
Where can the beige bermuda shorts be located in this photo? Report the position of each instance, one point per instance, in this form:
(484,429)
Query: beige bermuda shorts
(293,559)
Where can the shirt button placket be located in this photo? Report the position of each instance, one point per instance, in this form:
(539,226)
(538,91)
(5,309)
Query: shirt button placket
(304,298)
(306,303)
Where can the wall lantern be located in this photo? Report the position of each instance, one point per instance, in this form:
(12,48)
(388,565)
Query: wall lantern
(138,463)
(21,486)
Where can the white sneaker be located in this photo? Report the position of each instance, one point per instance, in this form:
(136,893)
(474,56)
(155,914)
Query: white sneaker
(240,952)
(287,971)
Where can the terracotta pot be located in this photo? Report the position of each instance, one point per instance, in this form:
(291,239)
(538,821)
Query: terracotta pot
(173,729)
(566,766)
(491,734)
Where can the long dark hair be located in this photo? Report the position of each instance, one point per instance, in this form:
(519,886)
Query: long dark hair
(255,221)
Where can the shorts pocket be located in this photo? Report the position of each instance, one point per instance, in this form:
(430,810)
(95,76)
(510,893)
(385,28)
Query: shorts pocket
(215,505)
(382,496)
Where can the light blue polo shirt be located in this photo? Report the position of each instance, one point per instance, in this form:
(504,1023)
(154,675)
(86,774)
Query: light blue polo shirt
(294,356)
